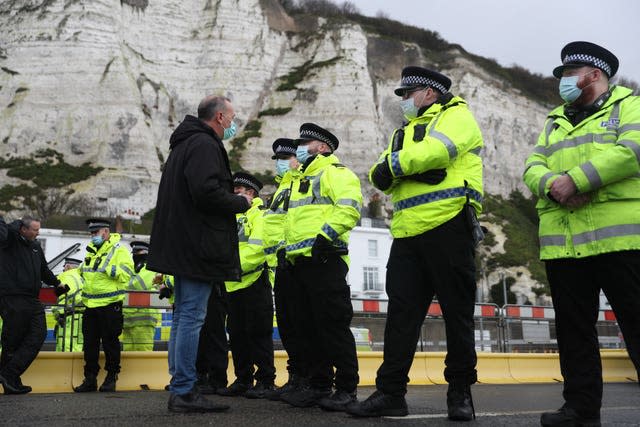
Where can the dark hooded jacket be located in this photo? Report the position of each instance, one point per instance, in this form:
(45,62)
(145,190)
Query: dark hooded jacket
(22,263)
(194,229)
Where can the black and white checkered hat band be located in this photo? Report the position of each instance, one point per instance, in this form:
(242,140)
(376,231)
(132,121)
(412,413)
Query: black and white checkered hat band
(285,149)
(580,57)
(98,225)
(422,81)
(245,182)
(310,134)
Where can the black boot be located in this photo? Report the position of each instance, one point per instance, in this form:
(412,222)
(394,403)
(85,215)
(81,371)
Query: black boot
(237,388)
(109,384)
(193,402)
(338,401)
(567,417)
(288,387)
(306,395)
(259,390)
(379,404)
(89,384)
(459,402)
(13,386)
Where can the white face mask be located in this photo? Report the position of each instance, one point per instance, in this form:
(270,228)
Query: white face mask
(409,108)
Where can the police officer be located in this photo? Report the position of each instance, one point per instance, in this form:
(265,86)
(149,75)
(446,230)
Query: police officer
(139,326)
(22,267)
(433,171)
(584,170)
(287,312)
(324,206)
(68,311)
(106,273)
(250,301)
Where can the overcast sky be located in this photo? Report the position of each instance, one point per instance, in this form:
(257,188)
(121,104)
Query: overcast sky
(524,32)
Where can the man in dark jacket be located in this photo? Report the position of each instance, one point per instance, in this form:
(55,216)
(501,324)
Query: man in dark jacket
(194,236)
(22,268)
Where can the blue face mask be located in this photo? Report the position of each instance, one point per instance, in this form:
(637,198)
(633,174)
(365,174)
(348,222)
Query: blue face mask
(230,132)
(568,89)
(409,109)
(282,166)
(302,153)
(97,240)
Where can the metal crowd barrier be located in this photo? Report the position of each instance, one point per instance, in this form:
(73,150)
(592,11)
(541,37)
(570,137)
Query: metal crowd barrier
(507,329)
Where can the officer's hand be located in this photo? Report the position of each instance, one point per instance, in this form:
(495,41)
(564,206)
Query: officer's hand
(61,289)
(321,249)
(158,278)
(381,176)
(165,292)
(61,321)
(431,177)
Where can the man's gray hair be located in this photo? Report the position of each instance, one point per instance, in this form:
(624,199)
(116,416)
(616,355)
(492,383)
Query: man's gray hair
(27,220)
(210,105)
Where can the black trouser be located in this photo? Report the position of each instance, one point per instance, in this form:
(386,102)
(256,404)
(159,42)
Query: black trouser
(102,325)
(288,317)
(440,262)
(327,342)
(251,331)
(213,348)
(23,333)
(575,289)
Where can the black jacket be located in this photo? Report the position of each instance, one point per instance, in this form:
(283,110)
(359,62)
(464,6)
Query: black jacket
(23,267)
(194,229)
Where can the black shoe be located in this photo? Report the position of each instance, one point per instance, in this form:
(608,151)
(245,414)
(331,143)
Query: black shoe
(89,384)
(167,387)
(235,389)
(459,402)
(193,402)
(13,387)
(259,390)
(210,388)
(567,417)
(277,392)
(379,404)
(109,384)
(338,401)
(306,396)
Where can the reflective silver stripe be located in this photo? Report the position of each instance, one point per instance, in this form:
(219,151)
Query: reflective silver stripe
(134,319)
(127,270)
(538,149)
(278,211)
(629,127)
(136,278)
(315,188)
(597,138)
(532,164)
(450,146)
(243,238)
(547,131)
(543,183)
(592,175)
(615,113)
(348,202)
(477,151)
(310,201)
(606,233)
(555,240)
(255,242)
(634,146)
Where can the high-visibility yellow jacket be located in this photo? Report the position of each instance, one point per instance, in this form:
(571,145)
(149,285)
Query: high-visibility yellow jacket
(252,257)
(325,199)
(274,217)
(73,298)
(601,154)
(106,273)
(442,137)
(133,317)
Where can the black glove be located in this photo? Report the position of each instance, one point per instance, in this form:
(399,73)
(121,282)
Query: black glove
(281,256)
(381,175)
(61,321)
(61,289)
(321,249)
(432,177)
(165,292)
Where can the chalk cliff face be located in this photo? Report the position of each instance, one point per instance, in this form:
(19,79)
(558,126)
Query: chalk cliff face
(107,81)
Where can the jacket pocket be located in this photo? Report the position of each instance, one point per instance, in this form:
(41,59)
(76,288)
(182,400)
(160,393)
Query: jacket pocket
(216,245)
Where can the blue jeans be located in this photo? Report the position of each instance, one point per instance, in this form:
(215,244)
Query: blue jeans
(190,309)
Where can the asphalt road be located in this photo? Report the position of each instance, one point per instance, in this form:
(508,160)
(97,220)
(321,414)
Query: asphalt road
(496,405)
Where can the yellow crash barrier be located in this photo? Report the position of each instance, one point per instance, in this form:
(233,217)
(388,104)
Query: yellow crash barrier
(54,372)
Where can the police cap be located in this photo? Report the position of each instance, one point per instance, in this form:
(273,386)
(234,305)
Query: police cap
(247,180)
(579,54)
(283,146)
(414,77)
(139,246)
(313,132)
(95,224)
